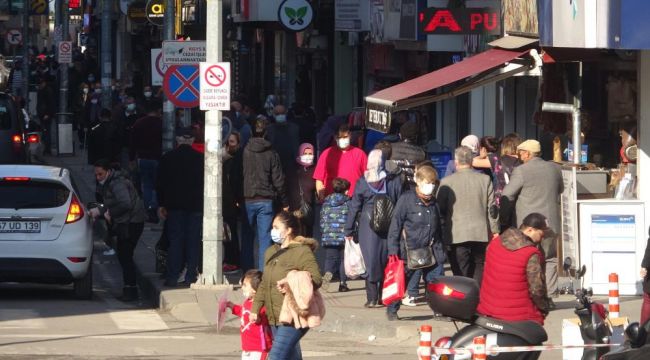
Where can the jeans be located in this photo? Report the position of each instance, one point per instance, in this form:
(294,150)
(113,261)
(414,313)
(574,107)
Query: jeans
(468,259)
(184,233)
(260,214)
(148,171)
(127,239)
(413,285)
(334,262)
(286,342)
(428,274)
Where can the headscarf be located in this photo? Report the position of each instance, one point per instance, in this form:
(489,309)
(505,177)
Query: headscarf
(472,142)
(301,151)
(375,167)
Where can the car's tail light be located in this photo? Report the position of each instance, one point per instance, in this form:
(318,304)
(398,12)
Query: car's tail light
(16,139)
(76,259)
(16,178)
(75,211)
(33,139)
(444,290)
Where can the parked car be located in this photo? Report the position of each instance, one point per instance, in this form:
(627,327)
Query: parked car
(45,230)
(13,148)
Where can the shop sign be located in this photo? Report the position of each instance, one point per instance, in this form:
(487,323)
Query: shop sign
(137,12)
(378,118)
(156,12)
(176,52)
(445,21)
(295,15)
(352,15)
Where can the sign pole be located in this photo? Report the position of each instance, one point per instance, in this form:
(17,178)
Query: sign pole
(168,107)
(212,203)
(26,43)
(64,120)
(106,53)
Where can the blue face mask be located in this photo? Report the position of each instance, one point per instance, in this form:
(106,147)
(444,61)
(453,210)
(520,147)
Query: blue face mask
(276,237)
(281,118)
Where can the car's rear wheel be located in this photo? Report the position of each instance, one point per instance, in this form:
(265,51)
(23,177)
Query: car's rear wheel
(83,288)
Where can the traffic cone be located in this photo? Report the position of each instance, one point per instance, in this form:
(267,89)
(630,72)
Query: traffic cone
(479,348)
(424,350)
(614,306)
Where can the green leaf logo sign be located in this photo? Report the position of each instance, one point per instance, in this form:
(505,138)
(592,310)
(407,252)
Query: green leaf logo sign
(296,15)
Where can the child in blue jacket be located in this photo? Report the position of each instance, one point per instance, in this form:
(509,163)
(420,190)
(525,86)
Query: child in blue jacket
(332,221)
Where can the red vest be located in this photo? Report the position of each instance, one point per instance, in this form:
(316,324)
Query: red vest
(504,290)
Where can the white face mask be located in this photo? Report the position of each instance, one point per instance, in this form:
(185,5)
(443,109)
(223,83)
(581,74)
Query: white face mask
(281,118)
(344,143)
(130,107)
(98,91)
(426,189)
(307,159)
(276,236)
(94,101)
(85,90)
(147,94)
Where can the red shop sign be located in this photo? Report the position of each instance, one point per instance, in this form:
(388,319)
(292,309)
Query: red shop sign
(443,21)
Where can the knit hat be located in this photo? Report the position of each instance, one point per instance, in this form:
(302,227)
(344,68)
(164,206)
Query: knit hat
(409,131)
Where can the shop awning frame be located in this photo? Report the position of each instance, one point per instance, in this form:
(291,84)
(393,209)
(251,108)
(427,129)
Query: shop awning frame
(489,72)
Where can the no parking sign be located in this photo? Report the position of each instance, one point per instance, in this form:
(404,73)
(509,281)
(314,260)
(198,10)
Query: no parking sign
(181,85)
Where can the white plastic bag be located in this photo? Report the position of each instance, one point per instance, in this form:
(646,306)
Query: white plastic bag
(353,260)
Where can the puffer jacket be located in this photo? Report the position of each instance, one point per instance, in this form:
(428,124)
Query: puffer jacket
(333,216)
(121,199)
(298,255)
(263,176)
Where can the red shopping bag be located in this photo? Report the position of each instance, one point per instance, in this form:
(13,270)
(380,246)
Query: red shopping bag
(393,289)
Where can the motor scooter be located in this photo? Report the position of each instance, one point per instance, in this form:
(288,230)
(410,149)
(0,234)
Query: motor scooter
(636,346)
(457,297)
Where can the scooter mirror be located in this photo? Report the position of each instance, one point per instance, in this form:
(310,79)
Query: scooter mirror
(582,271)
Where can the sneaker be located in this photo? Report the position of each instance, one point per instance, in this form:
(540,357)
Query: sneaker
(326,280)
(229,269)
(392,316)
(109,252)
(409,301)
(343,288)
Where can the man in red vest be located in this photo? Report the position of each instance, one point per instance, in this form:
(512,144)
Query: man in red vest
(514,284)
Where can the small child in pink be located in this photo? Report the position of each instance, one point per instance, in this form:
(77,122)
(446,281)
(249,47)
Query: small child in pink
(256,339)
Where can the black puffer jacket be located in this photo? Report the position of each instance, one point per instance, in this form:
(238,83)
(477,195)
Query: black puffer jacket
(405,150)
(121,199)
(263,177)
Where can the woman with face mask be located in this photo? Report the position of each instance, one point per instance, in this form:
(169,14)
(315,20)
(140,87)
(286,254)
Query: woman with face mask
(416,224)
(290,251)
(124,212)
(233,198)
(375,182)
(301,186)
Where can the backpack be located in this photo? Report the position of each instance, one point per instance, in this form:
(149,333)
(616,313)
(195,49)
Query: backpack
(382,212)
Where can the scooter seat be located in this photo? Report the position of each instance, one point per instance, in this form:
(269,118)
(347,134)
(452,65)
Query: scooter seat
(532,332)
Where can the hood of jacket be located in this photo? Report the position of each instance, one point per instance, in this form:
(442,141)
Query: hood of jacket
(336,199)
(513,239)
(301,240)
(258,145)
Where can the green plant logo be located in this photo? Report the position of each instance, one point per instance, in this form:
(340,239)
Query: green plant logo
(296,15)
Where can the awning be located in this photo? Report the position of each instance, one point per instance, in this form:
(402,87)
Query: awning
(478,70)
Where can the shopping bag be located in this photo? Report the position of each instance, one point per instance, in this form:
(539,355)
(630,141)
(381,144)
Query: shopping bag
(353,260)
(393,289)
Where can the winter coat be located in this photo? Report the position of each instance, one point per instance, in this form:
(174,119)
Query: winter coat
(180,180)
(405,150)
(333,216)
(303,178)
(278,261)
(513,287)
(303,305)
(373,247)
(285,138)
(646,264)
(263,176)
(416,225)
(232,184)
(254,336)
(121,199)
(104,142)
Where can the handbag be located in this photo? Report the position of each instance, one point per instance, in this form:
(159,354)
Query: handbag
(394,283)
(382,212)
(419,258)
(353,260)
(305,208)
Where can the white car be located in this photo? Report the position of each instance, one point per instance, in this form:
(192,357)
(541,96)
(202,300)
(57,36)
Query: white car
(45,230)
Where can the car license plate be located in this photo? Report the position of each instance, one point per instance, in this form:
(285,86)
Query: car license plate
(20,227)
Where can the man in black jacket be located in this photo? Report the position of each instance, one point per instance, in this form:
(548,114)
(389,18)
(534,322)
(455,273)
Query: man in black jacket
(405,154)
(180,197)
(263,183)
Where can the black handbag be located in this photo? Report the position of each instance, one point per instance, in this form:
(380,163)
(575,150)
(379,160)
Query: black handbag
(382,212)
(306,210)
(419,258)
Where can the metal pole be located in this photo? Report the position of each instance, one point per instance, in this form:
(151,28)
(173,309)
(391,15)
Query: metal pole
(26,43)
(168,107)
(577,104)
(63,68)
(106,53)
(212,203)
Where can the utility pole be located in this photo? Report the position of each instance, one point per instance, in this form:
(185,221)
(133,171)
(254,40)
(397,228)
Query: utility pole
(212,199)
(25,69)
(65,126)
(106,53)
(168,107)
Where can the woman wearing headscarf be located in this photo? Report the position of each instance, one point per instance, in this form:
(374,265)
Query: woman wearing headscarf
(302,186)
(375,181)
